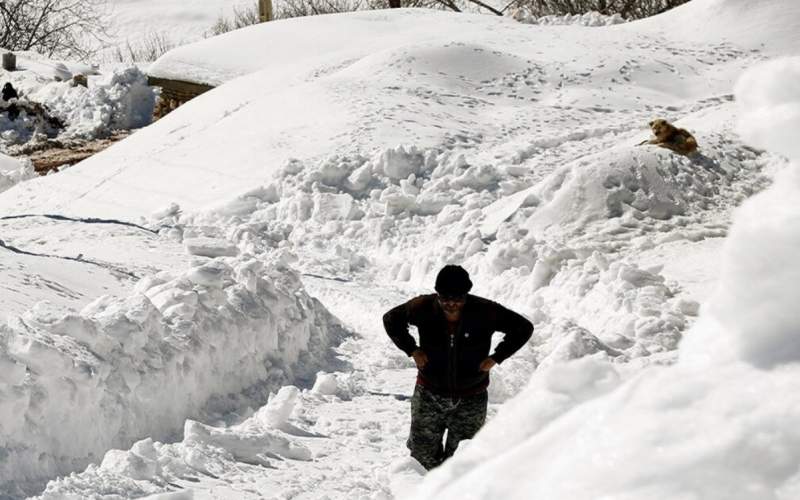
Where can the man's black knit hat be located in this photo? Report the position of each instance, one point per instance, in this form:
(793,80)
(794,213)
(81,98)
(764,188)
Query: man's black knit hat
(452,281)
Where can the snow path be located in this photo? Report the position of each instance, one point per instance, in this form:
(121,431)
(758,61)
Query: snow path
(360,437)
(351,435)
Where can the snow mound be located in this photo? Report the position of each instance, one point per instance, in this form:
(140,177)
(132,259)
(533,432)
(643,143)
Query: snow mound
(181,346)
(701,428)
(119,100)
(646,182)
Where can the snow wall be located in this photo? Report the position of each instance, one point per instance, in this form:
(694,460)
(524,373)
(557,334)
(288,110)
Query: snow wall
(701,428)
(184,345)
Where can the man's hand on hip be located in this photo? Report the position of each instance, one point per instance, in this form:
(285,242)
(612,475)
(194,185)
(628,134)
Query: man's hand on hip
(487,364)
(420,358)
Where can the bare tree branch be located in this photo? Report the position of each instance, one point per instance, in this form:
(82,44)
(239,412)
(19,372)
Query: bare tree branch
(50,27)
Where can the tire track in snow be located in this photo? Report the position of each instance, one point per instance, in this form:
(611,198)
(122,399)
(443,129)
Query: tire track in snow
(89,220)
(79,259)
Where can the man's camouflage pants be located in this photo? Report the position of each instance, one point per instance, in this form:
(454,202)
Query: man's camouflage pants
(432,414)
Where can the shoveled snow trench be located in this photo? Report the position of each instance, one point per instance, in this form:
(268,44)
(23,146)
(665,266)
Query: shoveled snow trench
(342,438)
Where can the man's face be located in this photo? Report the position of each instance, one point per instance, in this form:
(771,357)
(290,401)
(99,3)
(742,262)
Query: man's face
(452,304)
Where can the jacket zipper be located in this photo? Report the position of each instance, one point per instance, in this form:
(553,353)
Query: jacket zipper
(452,365)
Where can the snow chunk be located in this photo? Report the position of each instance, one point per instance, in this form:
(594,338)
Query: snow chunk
(253,446)
(400,162)
(210,247)
(212,274)
(275,414)
(325,384)
(329,206)
(139,463)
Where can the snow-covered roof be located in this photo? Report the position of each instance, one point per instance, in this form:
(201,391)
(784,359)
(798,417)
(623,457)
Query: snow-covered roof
(301,41)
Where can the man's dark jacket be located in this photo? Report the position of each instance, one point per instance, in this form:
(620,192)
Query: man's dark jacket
(453,366)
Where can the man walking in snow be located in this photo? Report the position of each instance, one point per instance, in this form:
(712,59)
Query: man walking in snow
(453,361)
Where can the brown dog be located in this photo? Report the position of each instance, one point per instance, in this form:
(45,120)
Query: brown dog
(671,137)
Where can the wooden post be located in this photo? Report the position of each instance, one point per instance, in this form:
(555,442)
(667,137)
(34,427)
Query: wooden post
(9,61)
(265,10)
(394,4)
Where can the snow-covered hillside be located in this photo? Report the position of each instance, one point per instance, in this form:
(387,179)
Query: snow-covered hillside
(350,165)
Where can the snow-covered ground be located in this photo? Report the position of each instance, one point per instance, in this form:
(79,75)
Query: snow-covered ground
(349,166)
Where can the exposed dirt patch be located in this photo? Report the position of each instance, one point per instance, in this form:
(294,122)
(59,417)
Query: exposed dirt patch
(54,154)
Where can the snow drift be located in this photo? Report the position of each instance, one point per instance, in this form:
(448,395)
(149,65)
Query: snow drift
(702,428)
(181,346)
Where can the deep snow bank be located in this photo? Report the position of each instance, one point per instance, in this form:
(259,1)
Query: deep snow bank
(702,428)
(73,386)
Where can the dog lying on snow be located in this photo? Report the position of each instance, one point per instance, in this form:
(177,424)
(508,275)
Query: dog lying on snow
(671,137)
